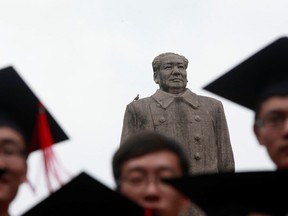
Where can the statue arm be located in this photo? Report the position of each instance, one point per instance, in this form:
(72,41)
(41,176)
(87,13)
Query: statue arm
(129,123)
(225,152)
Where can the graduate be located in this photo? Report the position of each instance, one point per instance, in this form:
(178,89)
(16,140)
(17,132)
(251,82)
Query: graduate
(260,84)
(25,126)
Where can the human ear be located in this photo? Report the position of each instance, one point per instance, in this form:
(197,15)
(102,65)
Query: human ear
(257,133)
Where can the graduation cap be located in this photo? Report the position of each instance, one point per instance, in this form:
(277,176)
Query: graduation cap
(237,193)
(262,75)
(84,195)
(21,109)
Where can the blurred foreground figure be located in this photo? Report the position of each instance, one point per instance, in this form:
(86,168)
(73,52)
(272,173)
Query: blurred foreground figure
(265,77)
(138,167)
(260,83)
(84,195)
(25,126)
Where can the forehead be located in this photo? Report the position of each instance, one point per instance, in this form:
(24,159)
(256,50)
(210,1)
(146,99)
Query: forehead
(172,58)
(275,103)
(153,161)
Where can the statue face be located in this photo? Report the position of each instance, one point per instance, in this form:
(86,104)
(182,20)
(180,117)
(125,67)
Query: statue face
(172,75)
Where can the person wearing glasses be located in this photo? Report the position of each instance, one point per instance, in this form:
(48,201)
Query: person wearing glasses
(271,128)
(13,166)
(260,83)
(25,126)
(141,162)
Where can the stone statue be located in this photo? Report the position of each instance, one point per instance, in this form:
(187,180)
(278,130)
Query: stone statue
(197,122)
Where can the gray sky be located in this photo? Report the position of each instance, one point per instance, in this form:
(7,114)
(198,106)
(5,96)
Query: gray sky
(86,60)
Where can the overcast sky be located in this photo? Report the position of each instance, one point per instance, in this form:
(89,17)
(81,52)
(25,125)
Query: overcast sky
(87,59)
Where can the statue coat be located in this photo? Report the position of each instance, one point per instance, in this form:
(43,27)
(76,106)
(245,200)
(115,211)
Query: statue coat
(197,122)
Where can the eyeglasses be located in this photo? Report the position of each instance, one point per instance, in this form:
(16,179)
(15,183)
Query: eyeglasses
(273,121)
(141,181)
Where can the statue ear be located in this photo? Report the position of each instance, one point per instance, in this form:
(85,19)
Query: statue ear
(155,76)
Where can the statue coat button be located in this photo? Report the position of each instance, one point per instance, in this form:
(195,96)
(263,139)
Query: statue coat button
(197,118)
(162,119)
(197,156)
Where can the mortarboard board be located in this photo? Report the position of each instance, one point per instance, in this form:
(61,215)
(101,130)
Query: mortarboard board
(84,195)
(237,193)
(20,108)
(261,75)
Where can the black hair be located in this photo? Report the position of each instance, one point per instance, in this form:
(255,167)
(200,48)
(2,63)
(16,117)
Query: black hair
(279,89)
(144,143)
(157,61)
